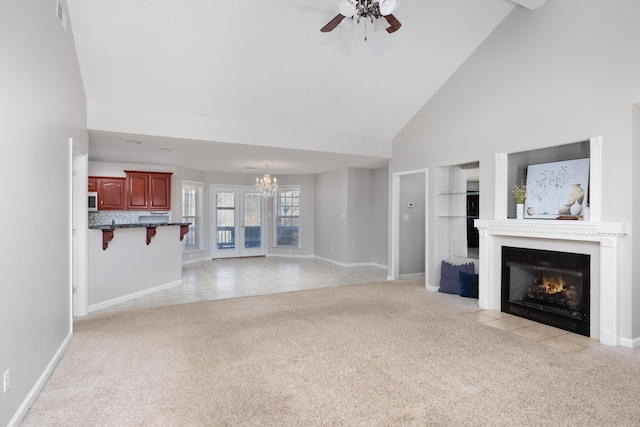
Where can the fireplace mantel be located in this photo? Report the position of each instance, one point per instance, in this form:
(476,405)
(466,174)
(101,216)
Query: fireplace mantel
(554,229)
(607,235)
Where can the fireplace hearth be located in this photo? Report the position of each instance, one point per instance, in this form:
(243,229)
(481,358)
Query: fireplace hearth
(548,287)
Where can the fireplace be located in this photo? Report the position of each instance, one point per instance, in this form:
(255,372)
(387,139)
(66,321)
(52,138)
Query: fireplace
(547,286)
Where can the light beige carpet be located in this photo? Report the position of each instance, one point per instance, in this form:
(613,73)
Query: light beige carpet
(386,354)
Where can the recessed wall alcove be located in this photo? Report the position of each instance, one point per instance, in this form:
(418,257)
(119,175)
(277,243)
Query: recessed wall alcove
(455,202)
(601,240)
(517,164)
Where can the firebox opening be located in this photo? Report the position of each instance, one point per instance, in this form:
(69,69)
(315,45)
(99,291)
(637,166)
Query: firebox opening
(548,287)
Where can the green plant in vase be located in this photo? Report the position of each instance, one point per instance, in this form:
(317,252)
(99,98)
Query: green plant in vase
(520,195)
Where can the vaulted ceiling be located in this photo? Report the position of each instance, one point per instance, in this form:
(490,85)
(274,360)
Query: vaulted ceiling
(226,85)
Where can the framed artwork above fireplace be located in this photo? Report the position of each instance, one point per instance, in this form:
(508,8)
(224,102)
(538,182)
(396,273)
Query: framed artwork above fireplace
(557,189)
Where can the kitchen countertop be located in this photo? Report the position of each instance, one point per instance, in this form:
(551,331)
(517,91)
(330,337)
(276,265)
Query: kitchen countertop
(137,225)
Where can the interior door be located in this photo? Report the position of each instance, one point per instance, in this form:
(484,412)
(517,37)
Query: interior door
(237,223)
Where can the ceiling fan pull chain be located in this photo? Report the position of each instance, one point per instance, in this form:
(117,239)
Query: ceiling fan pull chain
(365,30)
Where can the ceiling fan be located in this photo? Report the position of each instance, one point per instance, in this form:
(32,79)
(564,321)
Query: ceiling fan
(371,9)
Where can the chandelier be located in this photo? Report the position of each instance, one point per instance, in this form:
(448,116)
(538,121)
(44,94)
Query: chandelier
(266,186)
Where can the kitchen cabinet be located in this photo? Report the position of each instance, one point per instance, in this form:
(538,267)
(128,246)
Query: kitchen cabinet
(148,190)
(93,184)
(110,192)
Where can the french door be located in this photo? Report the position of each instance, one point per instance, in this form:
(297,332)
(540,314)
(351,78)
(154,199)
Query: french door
(238,227)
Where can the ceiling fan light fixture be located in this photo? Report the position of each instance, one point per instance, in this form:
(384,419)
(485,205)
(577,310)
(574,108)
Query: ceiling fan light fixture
(368,9)
(388,6)
(347,8)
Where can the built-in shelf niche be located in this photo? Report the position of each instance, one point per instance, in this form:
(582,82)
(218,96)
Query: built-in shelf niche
(457,188)
(511,169)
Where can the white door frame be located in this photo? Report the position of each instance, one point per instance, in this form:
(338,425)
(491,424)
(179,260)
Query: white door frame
(239,250)
(79,230)
(394,269)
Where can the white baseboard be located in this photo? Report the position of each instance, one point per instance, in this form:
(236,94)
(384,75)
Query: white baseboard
(193,261)
(349,265)
(35,390)
(411,275)
(630,343)
(432,288)
(135,295)
(384,267)
(290,255)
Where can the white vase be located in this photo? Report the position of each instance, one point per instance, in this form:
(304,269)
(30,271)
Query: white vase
(520,211)
(576,209)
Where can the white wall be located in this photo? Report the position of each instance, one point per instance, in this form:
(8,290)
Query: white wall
(117,169)
(636,218)
(380,217)
(43,105)
(331,215)
(351,216)
(559,74)
(118,118)
(412,223)
(359,215)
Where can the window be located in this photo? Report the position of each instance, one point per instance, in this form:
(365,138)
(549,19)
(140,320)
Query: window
(287,216)
(192,213)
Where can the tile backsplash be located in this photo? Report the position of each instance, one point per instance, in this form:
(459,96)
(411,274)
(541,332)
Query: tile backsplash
(122,217)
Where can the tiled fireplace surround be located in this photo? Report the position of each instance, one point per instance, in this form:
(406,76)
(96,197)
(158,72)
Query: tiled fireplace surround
(601,240)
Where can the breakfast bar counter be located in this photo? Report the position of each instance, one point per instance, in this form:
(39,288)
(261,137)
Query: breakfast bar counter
(108,230)
(127,261)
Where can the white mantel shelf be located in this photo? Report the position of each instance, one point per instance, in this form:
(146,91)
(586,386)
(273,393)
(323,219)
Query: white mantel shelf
(553,229)
(605,316)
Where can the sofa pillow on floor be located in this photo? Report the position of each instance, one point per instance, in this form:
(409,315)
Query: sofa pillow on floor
(450,276)
(468,285)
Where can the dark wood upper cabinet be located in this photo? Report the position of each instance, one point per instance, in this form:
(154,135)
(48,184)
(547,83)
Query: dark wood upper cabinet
(160,191)
(93,184)
(111,193)
(137,190)
(148,190)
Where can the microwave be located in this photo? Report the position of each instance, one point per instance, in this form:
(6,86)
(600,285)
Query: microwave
(93,201)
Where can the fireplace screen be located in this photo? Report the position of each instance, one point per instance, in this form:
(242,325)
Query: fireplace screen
(549,287)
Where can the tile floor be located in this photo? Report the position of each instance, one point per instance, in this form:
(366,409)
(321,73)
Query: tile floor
(547,335)
(240,277)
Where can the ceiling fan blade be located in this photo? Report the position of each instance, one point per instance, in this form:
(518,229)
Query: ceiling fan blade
(331,25)
(394,24)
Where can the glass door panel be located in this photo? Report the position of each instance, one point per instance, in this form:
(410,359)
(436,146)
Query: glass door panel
(225,220)
(252,220)
(238,219)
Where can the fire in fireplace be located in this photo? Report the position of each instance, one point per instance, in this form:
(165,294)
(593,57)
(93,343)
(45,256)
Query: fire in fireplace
(548,287)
